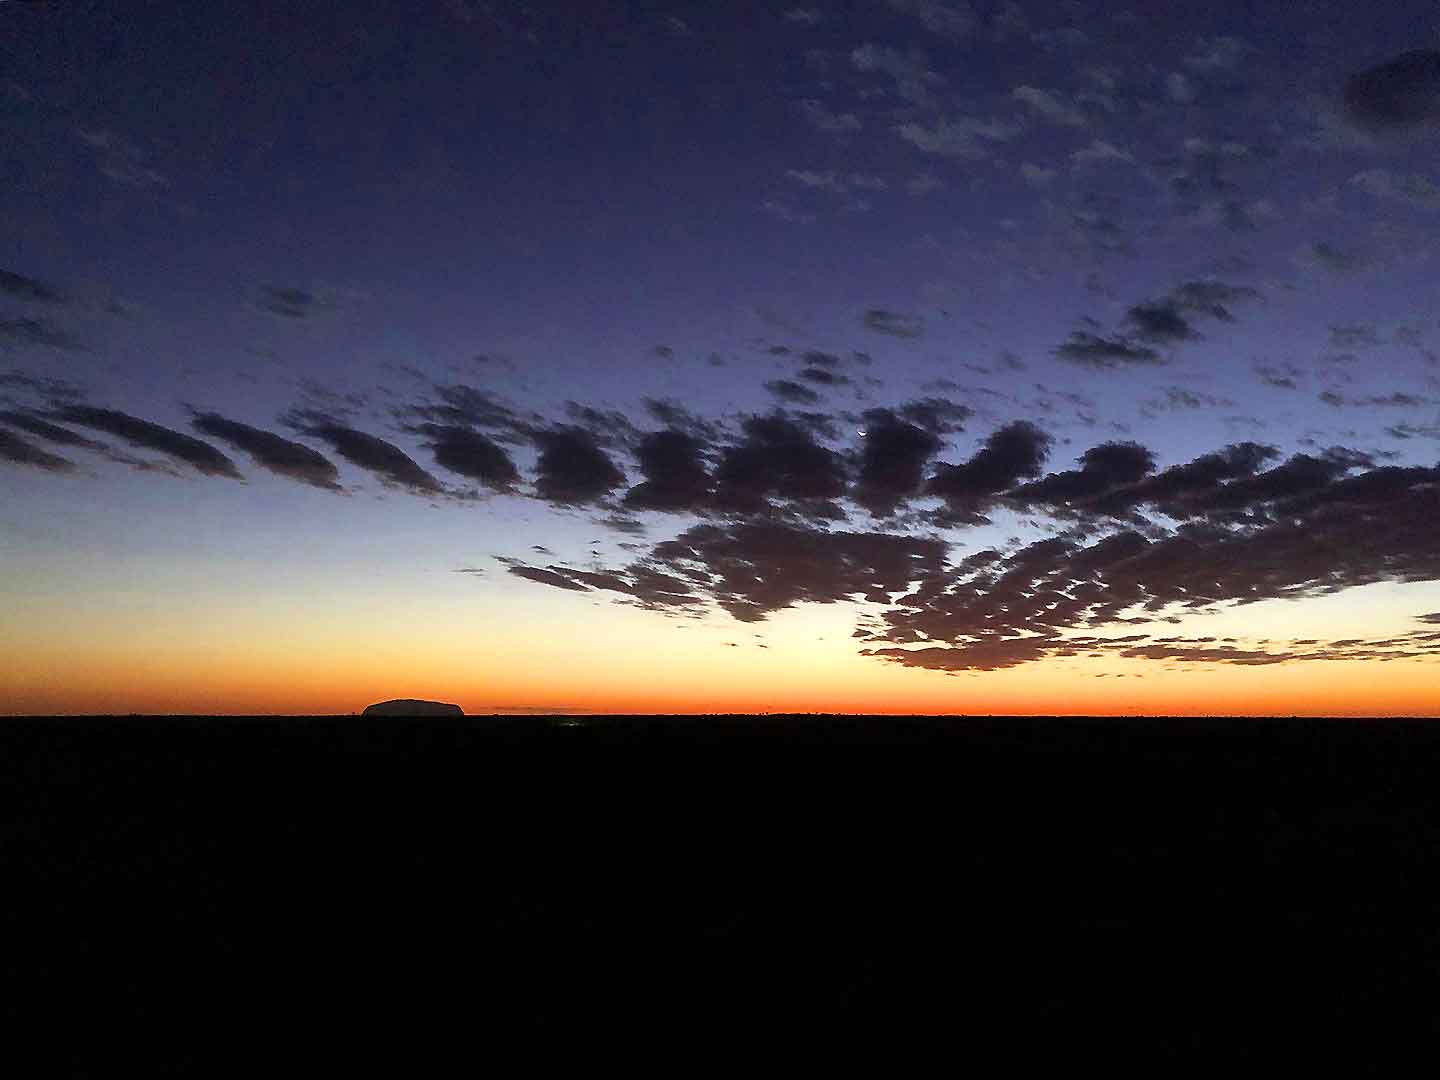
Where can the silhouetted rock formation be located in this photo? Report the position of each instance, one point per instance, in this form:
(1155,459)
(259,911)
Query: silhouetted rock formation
(412,707)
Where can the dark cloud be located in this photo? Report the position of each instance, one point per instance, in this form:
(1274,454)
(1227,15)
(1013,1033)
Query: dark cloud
(1414,431)
(1319,532)
(1105,353)
(1169,320)
(1102,468)
(892,461)
(465,406)
(823,377)
(19,452)
(940,416)
(1354,336)
(1160,321)
(792,392)
(200,456)
(642,584)
(547,577)
(1015,452)
(288,301)
(779,457)
(573,468)
(609,427)
(673,465)
(46,388)
(1182,490)
(365,451)
(1403,92)
(675,415)
(1433,617)
(754,569)
(1397,400)
(1281,376)
(268,450)
(48,431)
(29,289)
(471,454)
(894,323)
(815,358)
(37,332)
(1333,258)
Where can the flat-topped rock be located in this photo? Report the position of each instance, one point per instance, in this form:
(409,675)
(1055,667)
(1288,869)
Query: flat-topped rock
(412,707)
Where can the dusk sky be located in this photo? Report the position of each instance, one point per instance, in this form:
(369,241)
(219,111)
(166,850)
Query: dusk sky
(881,356)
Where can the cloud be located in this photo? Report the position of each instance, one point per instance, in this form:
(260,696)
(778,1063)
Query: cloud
(1398,399)
(19,452)
(1160,321)
(1104,353)
(48,431)
(547,577)
(29,289)
(288,301)
(1409,188)
(470,454)
(822,377)
(572,468)
(1333,258)
(675,415)
(893,323)
(956,136)
(838,183)
(1179,89)
(1165,321)
(803,16)
(940,416)
(1013,453)
(384,459)
(792,392)
(200,456)
(952,20)
(608,427)
(1312,531)
(1102,468)
(270,451)
(923,184)
(831,122)
(754,569)
(465,406)
(892,461)
(673,465)
(779,457)
(25,331)
(1036,175)
(1100,151)
(1414,431)
(1218,53)
(1282,376)
(121,160)
(1403,92)
(1048,106)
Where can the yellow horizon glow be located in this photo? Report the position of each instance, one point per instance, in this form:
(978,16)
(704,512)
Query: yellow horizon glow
(561,654)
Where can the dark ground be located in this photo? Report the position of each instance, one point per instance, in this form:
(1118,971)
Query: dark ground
(281,893)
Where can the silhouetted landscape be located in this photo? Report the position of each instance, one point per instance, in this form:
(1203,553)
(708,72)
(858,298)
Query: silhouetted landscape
(1164,891)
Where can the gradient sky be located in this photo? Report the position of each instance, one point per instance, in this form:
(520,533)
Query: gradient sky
(880,356)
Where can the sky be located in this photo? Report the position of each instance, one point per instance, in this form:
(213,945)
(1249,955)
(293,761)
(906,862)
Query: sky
(885,356)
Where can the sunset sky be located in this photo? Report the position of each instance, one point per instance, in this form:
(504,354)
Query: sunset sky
(879,356)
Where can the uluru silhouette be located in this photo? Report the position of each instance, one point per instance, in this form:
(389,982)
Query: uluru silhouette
(412,707)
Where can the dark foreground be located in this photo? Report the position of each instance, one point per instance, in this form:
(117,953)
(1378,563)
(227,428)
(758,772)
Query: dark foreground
(197,894)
